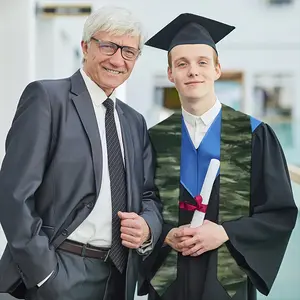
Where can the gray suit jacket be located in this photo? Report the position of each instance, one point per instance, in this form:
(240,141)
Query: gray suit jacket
(51,176)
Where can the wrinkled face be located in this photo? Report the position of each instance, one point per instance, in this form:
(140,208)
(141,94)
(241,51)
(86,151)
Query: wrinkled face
(108,71)
(193,70)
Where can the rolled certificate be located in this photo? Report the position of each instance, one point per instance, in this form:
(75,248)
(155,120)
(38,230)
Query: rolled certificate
(212,171)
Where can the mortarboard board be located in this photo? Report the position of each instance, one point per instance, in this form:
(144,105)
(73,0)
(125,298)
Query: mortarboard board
(190,29)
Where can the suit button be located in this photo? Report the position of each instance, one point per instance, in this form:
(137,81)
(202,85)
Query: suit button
(65,232)
(90,205)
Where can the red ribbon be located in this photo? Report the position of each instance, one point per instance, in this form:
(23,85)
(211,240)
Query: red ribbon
(191,207)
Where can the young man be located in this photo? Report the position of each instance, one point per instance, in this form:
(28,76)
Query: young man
(251,211)
(77,188)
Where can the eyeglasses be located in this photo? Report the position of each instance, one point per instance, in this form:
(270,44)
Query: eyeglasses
(110,48)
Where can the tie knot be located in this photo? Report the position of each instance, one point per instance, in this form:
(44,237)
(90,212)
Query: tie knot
(109,104)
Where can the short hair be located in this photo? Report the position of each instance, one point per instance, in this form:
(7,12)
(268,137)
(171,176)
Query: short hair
(115,20)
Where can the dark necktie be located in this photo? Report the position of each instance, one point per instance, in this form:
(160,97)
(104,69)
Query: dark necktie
(118,253)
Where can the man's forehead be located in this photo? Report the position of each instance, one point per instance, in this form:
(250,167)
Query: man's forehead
(121,39)
(196,50)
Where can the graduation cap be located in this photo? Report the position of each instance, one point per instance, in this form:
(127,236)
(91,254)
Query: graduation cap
(190,29)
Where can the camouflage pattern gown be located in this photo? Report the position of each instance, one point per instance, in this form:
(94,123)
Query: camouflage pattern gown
(251,198)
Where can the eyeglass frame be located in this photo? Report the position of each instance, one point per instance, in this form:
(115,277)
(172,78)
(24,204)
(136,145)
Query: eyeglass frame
(118,47)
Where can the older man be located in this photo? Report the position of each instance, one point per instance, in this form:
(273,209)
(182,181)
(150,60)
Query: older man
(78,203)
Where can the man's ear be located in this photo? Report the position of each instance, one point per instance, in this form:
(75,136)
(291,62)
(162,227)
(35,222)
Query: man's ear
(218,71)
(170,74)
(84,48)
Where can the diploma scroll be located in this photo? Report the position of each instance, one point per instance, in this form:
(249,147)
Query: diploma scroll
(208,183)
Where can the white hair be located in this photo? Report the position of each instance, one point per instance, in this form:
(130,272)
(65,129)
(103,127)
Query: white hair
(115,20)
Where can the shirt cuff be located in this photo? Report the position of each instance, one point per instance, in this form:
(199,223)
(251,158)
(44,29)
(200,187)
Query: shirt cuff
(146,247)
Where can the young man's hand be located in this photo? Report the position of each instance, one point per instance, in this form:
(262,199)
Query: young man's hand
(206,237)
(173,238)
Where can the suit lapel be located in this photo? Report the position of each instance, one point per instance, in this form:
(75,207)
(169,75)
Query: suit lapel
(84,106)
(129,155)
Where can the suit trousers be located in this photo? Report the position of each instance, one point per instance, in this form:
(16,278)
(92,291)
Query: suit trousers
(81,278)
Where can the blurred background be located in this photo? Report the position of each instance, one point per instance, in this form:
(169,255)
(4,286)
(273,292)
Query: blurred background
(260,62)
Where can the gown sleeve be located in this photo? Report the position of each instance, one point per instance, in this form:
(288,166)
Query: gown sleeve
(258,242)
(153,261)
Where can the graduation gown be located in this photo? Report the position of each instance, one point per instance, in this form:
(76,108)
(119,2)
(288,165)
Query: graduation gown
(255,207)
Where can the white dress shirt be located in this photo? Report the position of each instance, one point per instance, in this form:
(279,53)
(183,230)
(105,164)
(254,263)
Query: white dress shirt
(198,125)
(96,229)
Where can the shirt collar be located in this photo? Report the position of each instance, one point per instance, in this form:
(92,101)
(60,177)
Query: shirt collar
(207,118)
(98,96)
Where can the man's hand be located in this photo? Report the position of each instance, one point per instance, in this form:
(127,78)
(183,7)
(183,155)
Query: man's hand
(206,237)
(134,230)
(173,239)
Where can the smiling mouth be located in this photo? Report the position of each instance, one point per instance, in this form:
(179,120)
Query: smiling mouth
(113,71)
(193,82)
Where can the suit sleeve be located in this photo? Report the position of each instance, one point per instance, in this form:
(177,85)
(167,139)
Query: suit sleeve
(151,204)
(258,242)
(22,171)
